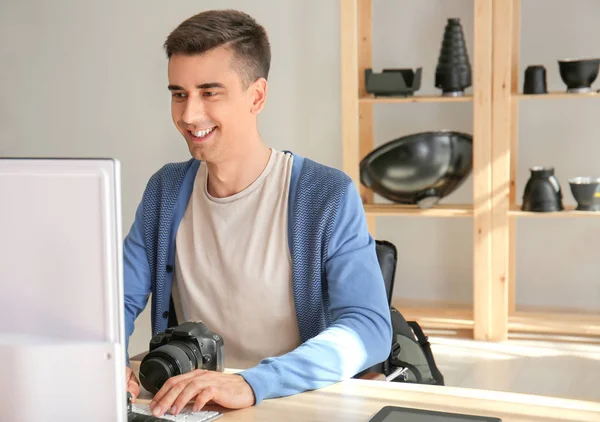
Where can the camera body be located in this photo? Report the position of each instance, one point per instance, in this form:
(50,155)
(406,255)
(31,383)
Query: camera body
(179,350)
(207,347)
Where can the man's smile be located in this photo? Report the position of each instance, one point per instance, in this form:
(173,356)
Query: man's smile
(201,135)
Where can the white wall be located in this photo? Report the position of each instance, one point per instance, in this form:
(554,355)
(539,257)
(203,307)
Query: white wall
(89,79)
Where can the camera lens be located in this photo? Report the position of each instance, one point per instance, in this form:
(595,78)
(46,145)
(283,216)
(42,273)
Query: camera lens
(168,361)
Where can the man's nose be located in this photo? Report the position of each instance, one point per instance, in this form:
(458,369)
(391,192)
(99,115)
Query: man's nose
(194,111)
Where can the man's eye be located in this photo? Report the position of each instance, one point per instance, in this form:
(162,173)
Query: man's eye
(178,95)
(209,93)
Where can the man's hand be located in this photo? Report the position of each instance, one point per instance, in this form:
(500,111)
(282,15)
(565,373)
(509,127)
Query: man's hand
(133,385)
(228,390)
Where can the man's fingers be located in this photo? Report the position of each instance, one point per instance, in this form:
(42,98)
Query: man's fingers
(192,389)
(228,390)
(132,384)
(170,383)
(165,403)
(203,398)
(134,389)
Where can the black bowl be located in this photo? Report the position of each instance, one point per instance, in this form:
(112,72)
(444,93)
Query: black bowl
(579,74)
(420,168)
(586,191)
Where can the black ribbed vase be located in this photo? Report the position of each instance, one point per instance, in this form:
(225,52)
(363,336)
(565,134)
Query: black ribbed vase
(453,71)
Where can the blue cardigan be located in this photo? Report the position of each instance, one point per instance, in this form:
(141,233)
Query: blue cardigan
(339,294)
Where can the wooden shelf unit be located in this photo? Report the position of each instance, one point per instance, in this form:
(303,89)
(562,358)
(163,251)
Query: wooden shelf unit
(507,96)
(357,135)
(493,314)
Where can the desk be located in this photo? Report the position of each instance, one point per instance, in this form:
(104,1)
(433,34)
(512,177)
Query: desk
(357,400)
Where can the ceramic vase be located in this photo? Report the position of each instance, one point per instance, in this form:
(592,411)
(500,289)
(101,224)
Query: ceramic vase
(542,192)
(453,70)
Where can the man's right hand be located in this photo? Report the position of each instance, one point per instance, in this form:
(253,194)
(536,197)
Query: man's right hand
(133,385)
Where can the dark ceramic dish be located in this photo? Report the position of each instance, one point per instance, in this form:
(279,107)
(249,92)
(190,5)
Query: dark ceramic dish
(420,168)
(579,74)
(586,191)
(393,82)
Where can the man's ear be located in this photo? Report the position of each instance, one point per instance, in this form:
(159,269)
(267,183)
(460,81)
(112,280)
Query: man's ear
(258,94)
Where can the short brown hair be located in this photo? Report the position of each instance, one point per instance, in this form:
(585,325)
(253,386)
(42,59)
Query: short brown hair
(231,28)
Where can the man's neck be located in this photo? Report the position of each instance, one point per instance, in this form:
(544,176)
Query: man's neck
(237,173)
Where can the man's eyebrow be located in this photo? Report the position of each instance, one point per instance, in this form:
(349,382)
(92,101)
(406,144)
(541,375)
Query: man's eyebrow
(207,85)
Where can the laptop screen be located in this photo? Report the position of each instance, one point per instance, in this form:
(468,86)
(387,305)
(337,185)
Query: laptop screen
(61,289)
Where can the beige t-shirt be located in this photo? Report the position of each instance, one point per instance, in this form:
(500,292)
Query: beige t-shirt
(233,267)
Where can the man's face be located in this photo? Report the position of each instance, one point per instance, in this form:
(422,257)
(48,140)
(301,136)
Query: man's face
(210,106)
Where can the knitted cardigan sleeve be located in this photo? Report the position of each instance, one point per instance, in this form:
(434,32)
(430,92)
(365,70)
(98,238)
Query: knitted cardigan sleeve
(136,274)
(360,332)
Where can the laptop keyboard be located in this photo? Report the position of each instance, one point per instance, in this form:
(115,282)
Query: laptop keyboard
(142,413)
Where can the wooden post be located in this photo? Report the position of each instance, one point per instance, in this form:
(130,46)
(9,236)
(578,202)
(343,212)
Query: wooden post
(349,88)
(357,120)
(501,170)
(514,149)
(365,61)
(482,169)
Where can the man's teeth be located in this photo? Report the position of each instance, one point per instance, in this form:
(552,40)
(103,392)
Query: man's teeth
(203,133)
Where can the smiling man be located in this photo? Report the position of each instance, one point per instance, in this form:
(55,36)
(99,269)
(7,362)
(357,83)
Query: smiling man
(269,249)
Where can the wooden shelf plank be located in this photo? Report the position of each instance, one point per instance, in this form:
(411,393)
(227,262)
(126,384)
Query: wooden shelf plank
(447,210)
(436,316)
(556,95)
(554,323)
(439,318)
(369,99)
(569,212)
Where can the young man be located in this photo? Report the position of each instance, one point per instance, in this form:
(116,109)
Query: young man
(269,249)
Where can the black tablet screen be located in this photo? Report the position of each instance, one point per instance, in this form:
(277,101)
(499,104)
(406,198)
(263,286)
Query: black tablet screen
(401,414)
(421,417)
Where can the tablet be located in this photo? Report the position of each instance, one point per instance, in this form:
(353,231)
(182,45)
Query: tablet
(404,414)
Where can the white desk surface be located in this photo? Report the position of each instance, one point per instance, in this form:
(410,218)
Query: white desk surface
(357,400)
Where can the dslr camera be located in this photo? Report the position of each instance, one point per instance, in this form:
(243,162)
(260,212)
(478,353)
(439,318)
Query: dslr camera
(180,350)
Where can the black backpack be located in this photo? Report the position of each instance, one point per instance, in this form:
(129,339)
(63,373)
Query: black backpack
(410,359)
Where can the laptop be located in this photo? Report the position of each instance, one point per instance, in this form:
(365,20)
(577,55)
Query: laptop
(62,345)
